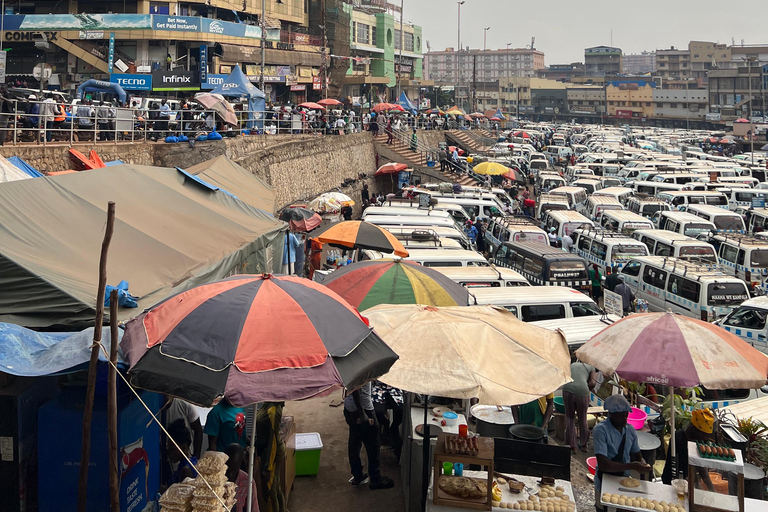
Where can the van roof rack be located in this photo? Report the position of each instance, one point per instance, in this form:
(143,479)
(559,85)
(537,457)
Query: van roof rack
(740,239)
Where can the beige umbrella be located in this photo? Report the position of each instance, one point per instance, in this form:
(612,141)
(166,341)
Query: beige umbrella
(469,352)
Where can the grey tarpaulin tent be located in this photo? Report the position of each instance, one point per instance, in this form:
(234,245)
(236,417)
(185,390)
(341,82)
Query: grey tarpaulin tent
(171,233)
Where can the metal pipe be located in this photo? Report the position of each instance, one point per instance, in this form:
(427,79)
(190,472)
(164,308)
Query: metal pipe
(458,56)
(485,34)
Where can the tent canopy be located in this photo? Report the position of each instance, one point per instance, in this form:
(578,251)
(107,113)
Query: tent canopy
(24,166)
(234,178)
(93,85)
(238,85)
(171,234)
(406,103)
(11,172)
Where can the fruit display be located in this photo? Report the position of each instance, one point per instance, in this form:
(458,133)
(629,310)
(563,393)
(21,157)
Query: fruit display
(713,451)
(638,502)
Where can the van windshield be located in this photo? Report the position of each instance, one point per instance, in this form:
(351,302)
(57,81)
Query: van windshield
(726,294)
(570,227)
(694,228)
(567,269)
(705,252)
(727,223)
(625,252)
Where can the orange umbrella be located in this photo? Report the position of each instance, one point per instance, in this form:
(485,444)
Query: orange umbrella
(390,168)
(357,234)
(312,105)
(329,101)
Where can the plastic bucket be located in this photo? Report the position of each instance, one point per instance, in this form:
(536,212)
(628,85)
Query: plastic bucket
(559,405)
(637,418)
(592,464)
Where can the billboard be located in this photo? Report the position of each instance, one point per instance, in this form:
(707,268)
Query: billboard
(179,80)
(132,82)
(77,22)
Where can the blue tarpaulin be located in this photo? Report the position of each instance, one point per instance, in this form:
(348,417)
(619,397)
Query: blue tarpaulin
(406,103)
(29,353)
(24,166)
(238,85)
(114,162)
(499,115)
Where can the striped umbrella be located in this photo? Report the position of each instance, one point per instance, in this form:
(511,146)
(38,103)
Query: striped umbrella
(676,351)
(357,234)
(369,283)
(390,168)
(253,338)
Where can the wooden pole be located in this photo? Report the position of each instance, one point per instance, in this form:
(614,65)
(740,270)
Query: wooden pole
(114,482)
(85,453)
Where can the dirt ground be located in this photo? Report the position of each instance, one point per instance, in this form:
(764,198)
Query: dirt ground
(330,490)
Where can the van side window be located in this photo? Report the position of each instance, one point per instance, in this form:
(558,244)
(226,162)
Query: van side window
(632,268)
(744,197)
(598,250)
(519,261)
(649,242)
(664,250)
(672,225)
(654,277)
(534,266)
(684,288)
(502,254)
(680,200)
(583,243)
(542,312)
(740,258)
(728,253)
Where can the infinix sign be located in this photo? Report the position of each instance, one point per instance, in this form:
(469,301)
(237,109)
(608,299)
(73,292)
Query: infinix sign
(178,80)
(132,82)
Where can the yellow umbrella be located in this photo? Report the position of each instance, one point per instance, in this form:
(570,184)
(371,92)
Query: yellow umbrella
(455,112)
(491,168)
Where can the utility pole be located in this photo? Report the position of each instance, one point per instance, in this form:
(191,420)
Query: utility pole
(485,63)
(402,41)
(751,125)
(263,39)
(474,82)
(458,57)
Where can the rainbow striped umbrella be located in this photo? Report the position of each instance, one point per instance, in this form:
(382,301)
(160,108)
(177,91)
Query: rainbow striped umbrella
(369,283)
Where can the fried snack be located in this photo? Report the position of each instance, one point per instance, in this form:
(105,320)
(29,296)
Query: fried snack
(463,487)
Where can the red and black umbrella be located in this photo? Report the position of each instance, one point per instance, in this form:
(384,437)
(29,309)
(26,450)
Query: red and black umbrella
(357,234)
(253,338)
(301,219)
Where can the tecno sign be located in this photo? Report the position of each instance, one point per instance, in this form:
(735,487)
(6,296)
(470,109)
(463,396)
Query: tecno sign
(133,82)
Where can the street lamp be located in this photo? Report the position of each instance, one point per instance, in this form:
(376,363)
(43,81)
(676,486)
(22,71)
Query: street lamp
(458,56)
(485,35)
(749,61)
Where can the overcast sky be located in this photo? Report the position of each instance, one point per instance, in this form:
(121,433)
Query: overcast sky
(563,28)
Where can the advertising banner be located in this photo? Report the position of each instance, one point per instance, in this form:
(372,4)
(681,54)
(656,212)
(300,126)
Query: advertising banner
(177,23)
(111,55)
(77,22)
(203,63)
(3,56)
(213,81)
(175,81)
(612,303)
(132,82)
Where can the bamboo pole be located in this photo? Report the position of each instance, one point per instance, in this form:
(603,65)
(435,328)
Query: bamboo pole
(85,453)
(114,482)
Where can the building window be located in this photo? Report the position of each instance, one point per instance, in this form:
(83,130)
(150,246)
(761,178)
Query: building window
(373,36)
(408,42)
(647,103)
(673,105)
(354,31)
(362,33)
(397,39)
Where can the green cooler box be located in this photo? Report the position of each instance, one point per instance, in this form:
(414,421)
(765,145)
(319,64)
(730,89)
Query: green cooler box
(308,448)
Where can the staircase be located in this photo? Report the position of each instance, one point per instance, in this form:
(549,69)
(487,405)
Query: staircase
(418,159)
(467,141)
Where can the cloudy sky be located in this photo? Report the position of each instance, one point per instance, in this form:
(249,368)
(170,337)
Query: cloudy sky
(563,28)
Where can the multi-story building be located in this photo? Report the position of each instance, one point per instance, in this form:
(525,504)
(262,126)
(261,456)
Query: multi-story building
(689,104)
(706,56)
(376,70)
(161,47)
(587,100)
(757,53)
(603,60)
(729,92)
(673,63)
(639,63)
(630,99)
(481,65)
(530,96)
(562,72)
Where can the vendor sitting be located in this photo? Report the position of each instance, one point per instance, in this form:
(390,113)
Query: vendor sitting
(537,412)
(701,429)
(616,446)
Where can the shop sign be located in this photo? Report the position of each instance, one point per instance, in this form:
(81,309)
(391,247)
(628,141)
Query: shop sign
(295,88)
(213,81)
(300,38)
(278,45)
(583,109)
(177,23)
(203,63)
(81,22)
(91,34)
(317,87)
(30,36)
(624,114)
(132,82)
(304,72)
(175,81)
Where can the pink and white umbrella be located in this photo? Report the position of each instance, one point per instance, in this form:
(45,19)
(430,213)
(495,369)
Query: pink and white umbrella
(676,351)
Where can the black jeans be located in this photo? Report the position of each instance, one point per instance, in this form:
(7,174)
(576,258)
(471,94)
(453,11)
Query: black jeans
(363,434)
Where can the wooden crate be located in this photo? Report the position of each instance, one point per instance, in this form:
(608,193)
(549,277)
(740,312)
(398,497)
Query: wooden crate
(483,458)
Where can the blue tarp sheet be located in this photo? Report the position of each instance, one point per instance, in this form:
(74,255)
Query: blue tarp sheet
(406,103)
(499,114)
(114,162)
(28,353)
(238,85)
(24,166)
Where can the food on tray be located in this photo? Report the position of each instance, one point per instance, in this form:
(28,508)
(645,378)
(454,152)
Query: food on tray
(710,450)
(455,444)
(463,487)
(629,482)
(639,502)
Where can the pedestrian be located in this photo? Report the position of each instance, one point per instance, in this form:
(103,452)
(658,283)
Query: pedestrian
(627,296)
(388,130)
(536,412)
(480,243)
(164,116)
(701,428)
(472,231)
(414,141)
(612,279)
(360,416)
(347,212)
(365,195)
(616,446)
(102,120)
(552,236)
(526,193)
(239,477)
(177,409)
(597,281)
(567,243)
(576,401)
(289,254)
(225,425)
(442,155)
(178,449)
(169,61)
(47,115)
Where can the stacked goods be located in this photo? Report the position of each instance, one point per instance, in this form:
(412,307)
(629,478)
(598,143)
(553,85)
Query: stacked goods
(177,498)
(556,501)
(461,445)
(638,502)
(711,450)
(210,483)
